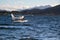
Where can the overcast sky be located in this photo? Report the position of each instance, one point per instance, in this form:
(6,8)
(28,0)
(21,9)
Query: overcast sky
(19,4)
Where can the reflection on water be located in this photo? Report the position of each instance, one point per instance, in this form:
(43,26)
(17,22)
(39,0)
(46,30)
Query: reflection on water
(38,27)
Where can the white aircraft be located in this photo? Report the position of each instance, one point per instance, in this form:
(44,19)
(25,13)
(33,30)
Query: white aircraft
(18,19)
(14,18)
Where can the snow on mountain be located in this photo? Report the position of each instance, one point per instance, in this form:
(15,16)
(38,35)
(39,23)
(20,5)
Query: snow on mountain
(43,7)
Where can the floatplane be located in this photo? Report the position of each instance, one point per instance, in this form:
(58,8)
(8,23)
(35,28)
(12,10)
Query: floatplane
(18,19)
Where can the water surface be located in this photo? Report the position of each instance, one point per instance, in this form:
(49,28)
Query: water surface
(38,27)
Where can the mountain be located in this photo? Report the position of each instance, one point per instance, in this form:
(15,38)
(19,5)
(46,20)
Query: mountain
(48,11)
(53,10)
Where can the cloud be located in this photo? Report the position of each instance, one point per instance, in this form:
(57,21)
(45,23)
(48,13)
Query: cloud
(10,7)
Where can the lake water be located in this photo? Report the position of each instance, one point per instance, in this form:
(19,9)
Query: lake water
(38,27)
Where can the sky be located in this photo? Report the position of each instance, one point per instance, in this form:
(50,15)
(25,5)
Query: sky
(23,4)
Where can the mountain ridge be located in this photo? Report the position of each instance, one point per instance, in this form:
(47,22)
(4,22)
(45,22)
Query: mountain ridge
(35,11)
